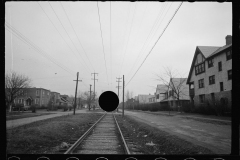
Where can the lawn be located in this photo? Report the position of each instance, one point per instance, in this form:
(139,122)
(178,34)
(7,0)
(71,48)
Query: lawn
(45,136)
(19,115)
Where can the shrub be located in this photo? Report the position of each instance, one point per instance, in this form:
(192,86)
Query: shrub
(33,108)
(186,108)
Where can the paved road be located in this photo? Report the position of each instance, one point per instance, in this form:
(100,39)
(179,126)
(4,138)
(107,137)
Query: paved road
(212,136)
(22,121)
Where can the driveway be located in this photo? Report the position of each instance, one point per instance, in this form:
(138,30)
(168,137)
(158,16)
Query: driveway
(22,121)
(215,137)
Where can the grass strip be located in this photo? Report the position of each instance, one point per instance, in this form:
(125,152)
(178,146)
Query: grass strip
(45,136)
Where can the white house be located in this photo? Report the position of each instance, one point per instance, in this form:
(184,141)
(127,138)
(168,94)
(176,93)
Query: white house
(160,92)
(210,76)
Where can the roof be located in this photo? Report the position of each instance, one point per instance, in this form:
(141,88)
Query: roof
(183,87)
(161,88)
(178,81)
(207,50)
(220,49)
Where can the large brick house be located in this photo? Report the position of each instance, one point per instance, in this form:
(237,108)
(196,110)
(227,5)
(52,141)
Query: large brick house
(210,76)
(30,96)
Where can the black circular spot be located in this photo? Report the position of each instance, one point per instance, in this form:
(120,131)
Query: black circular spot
(108,101)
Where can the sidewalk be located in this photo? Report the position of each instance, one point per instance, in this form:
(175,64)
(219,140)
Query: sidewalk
(22,121)
(190,115)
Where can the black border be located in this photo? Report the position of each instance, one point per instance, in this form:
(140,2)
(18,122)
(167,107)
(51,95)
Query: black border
(235,109)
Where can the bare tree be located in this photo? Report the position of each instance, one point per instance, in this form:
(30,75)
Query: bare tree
(89,99)
(176,86)
(14,83)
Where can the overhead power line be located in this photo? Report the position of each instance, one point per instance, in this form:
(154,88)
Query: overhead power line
(150,33)
(56,28)
(68,35)
(111,40)
(77,36)
(102,41)
(154,44)
(128,37)
(38,49)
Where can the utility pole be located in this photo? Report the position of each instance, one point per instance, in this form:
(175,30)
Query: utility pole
(94,86)
(75,94)
(90,97)
(118,88)
(123,98)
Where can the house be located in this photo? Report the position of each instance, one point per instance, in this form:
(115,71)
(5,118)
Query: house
(177,93)
(160,92)
(29,96)
(65,101)
(55,97)
(151,99)
(210,76)
(143,99)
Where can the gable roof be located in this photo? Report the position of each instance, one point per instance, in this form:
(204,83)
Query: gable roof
(183,88)
(161,88)
(207,50)
(177,81)
(220,50)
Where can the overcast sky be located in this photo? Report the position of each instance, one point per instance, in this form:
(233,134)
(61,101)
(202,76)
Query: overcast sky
(51,41)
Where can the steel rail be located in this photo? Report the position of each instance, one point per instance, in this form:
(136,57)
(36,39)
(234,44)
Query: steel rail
(69,151)
(124,142)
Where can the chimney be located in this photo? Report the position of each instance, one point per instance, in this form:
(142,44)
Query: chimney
(228,39)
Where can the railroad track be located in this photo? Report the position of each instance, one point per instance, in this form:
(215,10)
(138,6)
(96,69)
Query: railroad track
(103,137)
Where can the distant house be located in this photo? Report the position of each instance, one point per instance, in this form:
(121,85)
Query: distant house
(143,99)
(55,97)
(160,92)
(210,76)
(152,99)
(29,96)
(65,101)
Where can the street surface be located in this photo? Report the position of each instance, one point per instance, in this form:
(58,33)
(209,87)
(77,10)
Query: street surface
(212,136)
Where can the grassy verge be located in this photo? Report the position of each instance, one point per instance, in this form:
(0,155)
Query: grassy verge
(25,115)
(45,136)
(160,142)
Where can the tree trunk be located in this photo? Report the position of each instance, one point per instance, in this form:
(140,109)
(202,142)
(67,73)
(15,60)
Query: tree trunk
(10,107)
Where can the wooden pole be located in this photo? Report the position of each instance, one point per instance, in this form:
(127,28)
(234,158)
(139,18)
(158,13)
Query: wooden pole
(75,94)
(123,98)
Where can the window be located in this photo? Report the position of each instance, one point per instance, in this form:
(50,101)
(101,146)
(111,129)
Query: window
(200,68)
(37,92)
(201,83)
(229,74)
(219,66)
(210,63)
(229,55)
(43,92)
(221,86)
(212,80)
(202,98)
